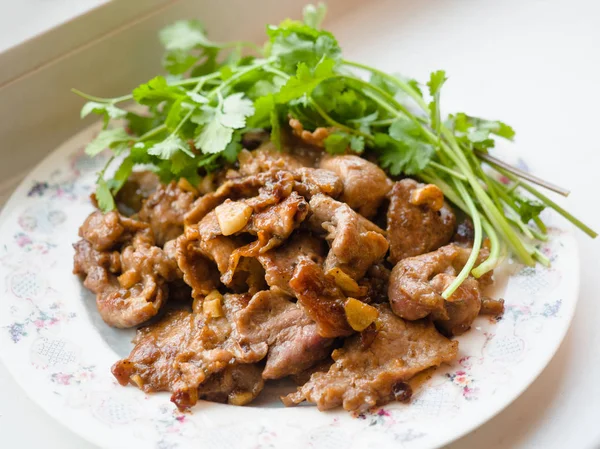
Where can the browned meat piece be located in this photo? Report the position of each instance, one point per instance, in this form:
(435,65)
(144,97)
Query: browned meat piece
(264,189)
(491,306)
(365,184)
(316,180)
(292,337)
(321,299)
(362,378)
(235,385)
(164,210)
(416,225)
(266,158)
(130,286)
(272,227)
(304,376)
(183,350)
(199,272)
(416,285)
(356,243)
(105,231)
(136,189)
(280,263)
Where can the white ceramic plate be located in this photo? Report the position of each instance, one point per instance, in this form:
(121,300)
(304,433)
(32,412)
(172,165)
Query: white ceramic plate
(60,351)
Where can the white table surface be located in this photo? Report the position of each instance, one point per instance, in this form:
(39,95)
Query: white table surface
(533,63)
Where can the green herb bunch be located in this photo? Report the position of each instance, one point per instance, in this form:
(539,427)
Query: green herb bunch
(213,94)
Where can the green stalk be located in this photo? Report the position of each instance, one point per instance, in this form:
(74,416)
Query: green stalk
(332,122)
(451,172)
(153,132)
(495,251)
(589,231)
(464,273)
(487,204)
(401,84)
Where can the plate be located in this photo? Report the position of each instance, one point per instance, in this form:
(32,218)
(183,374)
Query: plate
(60,352)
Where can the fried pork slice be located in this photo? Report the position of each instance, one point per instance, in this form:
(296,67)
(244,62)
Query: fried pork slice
(416,285)
(365,184)
(321,298)
(164,210)
(272,227)
(356,243)
(107,231)
(292,337)
(235,385)
(363,377)
(418,219)
(267,158)
(311,181)
(265,189)
(280,263)
(129,277)
(183,350)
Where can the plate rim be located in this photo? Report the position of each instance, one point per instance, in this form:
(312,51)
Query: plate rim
(573,299)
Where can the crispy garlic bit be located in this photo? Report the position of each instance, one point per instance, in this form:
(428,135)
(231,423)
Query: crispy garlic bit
(137,379)
(348,285)
(359,314)
(317,137)
(233,216)
(240,398)
(129,279)
(429,195)
(212,306)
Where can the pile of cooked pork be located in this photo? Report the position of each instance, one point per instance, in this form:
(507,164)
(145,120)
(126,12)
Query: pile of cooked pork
(292,263)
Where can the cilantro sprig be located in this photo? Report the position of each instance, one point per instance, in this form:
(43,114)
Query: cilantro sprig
(195,117)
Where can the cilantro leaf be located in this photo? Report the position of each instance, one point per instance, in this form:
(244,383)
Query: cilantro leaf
(435,83)
(169,147)
(185,35)
(263,107)
(306,80)
(214,137)
(233,148)
(177,62)
(107,110)
(106,138)
(313,15)
(156,91)
(529,209)
(121,175)
(104,198)
(357,144)
(337,142)
(409,156)
(294,42)
(236,108)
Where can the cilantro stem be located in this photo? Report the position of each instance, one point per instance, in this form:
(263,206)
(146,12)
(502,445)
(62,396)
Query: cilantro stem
(454,152)
(466,270)
(589,231)
(495,251)
(401,84)
(332,122)
(448,170)
(100,99)
(153,132)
